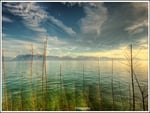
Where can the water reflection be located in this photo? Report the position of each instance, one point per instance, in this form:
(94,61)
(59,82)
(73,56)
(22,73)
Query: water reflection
(73,90)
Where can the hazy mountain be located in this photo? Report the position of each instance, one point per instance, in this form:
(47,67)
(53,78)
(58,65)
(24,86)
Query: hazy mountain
(8,58)
(40,57)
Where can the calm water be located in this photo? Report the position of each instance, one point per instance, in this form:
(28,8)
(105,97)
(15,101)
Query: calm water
(18,77)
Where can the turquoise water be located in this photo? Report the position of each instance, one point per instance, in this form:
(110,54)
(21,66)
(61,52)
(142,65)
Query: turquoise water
(75,80)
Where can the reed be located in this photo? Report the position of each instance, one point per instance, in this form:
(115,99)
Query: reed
(121,95)
(112,86)
(31,80)
(46,79)
(21,94)
(83,81)
(93,98)
(64,94)
(44,76)
(60,95)
(84,91)
(67,106)
(46,93)
(130,104)
(74,91)
(37,99)
(5,82)
(31,65)
(132,78)
(63,102)
(11,102)
(99,83)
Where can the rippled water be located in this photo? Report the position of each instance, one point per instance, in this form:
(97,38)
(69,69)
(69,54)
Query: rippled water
(18,77)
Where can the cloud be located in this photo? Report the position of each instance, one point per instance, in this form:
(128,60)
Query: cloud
(6,19)
(91,25)
(109,26)
(56,41)
(34,15)
(70,4)
(139,30)
(142,43)
(20,46)
(96,15)
(104,28)
(140,6)
(4,35)
(137,27)
(62,26)
(141,21)
(31,13)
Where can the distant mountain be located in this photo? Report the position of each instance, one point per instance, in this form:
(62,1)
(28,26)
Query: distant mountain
(28,57)
(40,57)
(8,58)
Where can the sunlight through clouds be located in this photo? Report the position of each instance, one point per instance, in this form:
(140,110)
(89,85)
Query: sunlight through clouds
(100,29)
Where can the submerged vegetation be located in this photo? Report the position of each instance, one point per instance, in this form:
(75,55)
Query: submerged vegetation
(94,97)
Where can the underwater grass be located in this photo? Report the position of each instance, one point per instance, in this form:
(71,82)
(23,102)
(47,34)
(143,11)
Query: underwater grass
(68,102)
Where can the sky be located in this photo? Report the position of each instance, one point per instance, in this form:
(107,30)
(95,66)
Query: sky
(101,29)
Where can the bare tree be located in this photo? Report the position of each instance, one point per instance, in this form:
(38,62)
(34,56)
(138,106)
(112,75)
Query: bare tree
(134,78)
(142,91)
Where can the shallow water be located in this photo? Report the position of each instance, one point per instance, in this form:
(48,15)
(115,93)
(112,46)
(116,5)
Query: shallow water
(18,79)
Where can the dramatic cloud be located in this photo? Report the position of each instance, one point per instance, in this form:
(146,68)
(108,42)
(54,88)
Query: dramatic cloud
(34,15)
(62,26)
(137,27)
(6,19)
(119,24)
(96,15)
(76,28)
(28,12)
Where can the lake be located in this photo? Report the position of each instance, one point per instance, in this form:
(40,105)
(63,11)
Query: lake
(72,85)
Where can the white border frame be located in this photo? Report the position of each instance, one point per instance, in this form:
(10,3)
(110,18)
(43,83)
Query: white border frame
(1,55)
(147,1)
